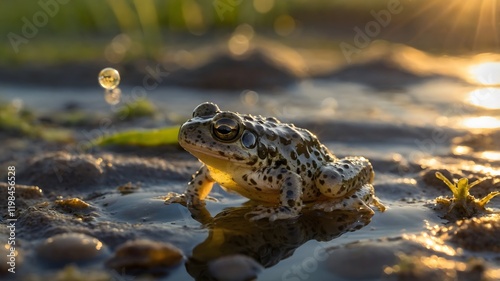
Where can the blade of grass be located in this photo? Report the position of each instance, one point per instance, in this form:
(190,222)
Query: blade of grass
(155,137)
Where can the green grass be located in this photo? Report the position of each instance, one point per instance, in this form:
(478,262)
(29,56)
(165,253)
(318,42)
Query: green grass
(137,109)
(81,30)
(16,121)
(154,137)
(22,123)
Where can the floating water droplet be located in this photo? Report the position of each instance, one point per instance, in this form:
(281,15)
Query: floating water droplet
(109,78)
(112,96)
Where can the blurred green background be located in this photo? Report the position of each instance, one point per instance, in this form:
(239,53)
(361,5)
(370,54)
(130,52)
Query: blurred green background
(84,30)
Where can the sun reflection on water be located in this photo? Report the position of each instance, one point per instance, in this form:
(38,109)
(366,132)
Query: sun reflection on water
(461,150)
(433,243)
(491,155)
(484,169)
(486,73)
(488,98)
(481,122)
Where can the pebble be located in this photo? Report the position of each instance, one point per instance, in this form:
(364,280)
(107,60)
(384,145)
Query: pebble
(72,204)
(70,247)
(28,192)
(24,195)
(145,254)
(22,192)
(128,188)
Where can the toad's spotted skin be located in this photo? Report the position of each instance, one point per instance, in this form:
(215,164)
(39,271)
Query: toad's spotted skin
(266,160)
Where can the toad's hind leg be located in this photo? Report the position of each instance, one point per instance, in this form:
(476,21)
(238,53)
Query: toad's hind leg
(362,198)
(344,176)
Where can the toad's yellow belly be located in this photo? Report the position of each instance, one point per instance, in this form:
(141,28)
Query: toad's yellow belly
(227,182)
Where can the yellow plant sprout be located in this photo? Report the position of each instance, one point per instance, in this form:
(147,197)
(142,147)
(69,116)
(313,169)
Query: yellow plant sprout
(462,200)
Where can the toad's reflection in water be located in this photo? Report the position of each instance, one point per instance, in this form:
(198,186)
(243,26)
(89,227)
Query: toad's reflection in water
(266,242)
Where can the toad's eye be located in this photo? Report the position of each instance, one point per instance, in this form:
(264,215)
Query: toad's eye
(226,129)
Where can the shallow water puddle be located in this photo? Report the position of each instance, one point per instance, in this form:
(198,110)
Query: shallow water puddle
(278,246)
(395,130)
(308,261)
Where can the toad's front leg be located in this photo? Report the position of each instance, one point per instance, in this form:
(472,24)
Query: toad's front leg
(289,186)
(197,190)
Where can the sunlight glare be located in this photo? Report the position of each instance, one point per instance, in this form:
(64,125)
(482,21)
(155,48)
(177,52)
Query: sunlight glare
(488,98)
(487,73)
(491,155)
(432,243)
(481,122)
(486,170)
(461,150)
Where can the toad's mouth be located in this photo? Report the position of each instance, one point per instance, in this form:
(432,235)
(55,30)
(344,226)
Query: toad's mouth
(215,158)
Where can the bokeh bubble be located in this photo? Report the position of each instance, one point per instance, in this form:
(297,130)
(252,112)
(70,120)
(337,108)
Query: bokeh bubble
(109,78)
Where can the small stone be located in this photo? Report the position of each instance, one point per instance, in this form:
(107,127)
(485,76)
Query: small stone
(72,204)
(70,247)
(21,191)
(25,196)
(28,192)
(235,268)
(145,254)
(128,188)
